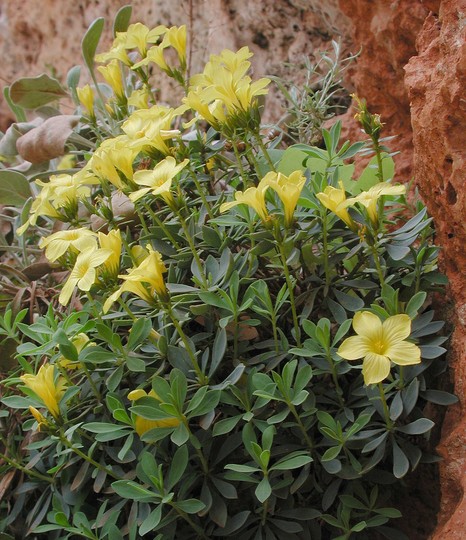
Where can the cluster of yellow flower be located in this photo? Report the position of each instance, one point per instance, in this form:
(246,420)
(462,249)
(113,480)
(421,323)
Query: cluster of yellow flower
(223,94)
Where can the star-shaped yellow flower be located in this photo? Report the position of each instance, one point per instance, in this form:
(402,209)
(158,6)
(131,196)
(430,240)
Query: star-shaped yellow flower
(379,343)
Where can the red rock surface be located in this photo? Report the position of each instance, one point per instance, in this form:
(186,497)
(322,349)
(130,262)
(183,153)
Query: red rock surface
(411,70)
(436,80)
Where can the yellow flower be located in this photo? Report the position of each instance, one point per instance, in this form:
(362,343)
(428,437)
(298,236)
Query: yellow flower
(379,343)
(225,82)
(117,51)
(139,99)
(40,418)
(86,98)
(158,180)
(111,242)
(176,37)
(112,74)
(136,37)
(253,197)
(149,128)
(288,189)
(149,271)
(334,199)
(48,389)
(370,197)
(113,161)
(142,425)
(154,54)
(84,272)
(76,240)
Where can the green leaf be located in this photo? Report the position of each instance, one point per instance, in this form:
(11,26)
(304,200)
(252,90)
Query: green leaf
(415,304)
(331,453)
(34,92)
(178,466)
(400,462)
(17,111)
(180,435)
(130,490)
(208,403)
(291,463)
(122,19)
(17,402)
(102,427)
(241,468)
(90,41)
(190,506)
(139,332)
(218,350)
(418,427)
(439,397)
(14,188)
(151,521)
(348,301)
(72,78)
(263,490)
(233,524)
(226,425)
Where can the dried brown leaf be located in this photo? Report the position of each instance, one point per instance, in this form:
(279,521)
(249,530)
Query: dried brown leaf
(47,141)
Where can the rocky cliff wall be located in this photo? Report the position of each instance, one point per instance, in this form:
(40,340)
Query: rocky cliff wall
(411,70)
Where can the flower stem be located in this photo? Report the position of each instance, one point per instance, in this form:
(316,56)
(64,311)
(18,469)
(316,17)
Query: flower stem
(22,468)
(378,266)
(188,520)
(308,439)
(154,216)
(289,284)
(202,379)
(386,412)
(264,151)
(84,456)
(185,228)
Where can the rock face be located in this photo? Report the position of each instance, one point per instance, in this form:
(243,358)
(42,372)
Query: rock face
(435,80)
(411,70)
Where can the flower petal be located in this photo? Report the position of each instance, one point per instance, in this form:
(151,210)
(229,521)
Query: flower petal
(354,347)
(375,368)
(396,329)
(367,324)
(404,353)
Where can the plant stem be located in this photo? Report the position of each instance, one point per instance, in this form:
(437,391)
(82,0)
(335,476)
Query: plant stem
(264,151)
(202,379)
(378,266)
(204,200)
(290,286)
(240,165)
(188,520)
(333,368)
(294,412)
(154,216)
(325,249)
(92,383)
(386,412)
(184,225)
(82,455)
(22,468)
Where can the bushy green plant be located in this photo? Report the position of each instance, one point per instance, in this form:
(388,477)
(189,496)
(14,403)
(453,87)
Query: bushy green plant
(246,348)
